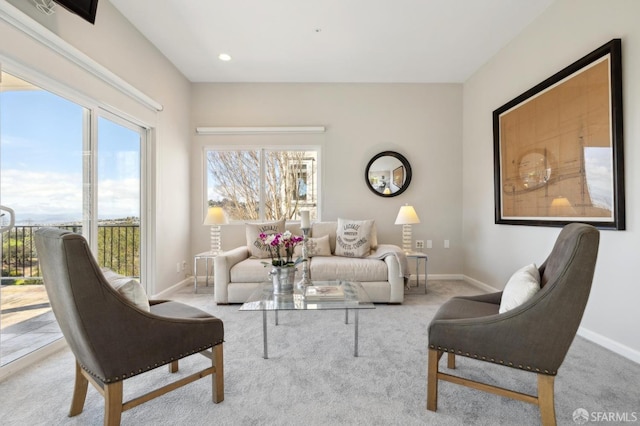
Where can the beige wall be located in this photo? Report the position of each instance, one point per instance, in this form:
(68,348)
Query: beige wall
(568,30)
(115,44)
(421,121)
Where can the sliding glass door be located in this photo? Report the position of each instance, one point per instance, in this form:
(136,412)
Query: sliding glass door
(66,165)
(119,195)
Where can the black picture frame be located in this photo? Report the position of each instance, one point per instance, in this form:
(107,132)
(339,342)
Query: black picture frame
(558,147)
(398,177)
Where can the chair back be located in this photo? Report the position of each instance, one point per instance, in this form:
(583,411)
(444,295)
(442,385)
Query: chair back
(566,278)
(92,315)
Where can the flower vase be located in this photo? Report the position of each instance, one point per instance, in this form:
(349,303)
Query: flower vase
(283,278)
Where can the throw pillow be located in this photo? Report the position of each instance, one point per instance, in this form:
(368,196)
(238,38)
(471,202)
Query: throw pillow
(353,237)
(522,286)
(253,231)
(316,247)
(129,288)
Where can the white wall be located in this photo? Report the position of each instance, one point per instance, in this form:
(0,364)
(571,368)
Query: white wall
(565,32)
(115,44)
(423,122)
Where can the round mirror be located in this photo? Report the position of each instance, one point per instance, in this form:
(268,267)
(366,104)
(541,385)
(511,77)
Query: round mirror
(388,174)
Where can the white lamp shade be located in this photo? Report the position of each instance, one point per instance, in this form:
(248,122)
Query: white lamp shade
(215,216)
(407,216)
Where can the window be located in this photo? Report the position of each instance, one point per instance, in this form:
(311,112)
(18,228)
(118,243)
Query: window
(263,183)
(56,171)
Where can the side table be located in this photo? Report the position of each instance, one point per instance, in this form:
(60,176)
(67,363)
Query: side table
(208,257)
(419,256)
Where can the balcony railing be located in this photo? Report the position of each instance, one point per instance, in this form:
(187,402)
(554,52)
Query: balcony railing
(118,249)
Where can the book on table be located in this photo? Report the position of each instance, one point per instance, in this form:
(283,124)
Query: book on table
(324,293)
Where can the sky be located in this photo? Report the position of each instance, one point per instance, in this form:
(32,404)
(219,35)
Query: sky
(599,171)
(41,158)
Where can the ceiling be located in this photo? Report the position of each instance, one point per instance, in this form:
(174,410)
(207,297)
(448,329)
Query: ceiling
(381,41)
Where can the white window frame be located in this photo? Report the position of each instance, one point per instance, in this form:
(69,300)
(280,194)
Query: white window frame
(147,153)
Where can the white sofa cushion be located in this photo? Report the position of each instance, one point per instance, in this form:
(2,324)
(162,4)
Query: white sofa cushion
(250,271)
(253,231)
(353,237)
(319,229)
(316,247)
(348,268)
(253,271)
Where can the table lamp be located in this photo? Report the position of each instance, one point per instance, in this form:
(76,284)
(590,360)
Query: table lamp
(215,218)
(406,217)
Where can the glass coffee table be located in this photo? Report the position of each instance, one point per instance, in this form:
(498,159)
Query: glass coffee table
(263,299)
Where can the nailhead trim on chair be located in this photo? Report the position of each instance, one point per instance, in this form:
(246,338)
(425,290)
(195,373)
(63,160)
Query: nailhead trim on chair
(484,358)
(118,378)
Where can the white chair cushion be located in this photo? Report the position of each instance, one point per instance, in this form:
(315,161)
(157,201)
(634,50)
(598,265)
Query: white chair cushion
(522,286)
(129,288)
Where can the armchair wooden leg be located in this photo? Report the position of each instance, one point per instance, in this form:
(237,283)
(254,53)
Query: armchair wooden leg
(451,360)
(173,367)
(112,403)
(79,392)
(432,379)
(217,377)
(546,400)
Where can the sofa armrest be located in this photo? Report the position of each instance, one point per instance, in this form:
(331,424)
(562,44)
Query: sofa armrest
(222,265)
(396,279)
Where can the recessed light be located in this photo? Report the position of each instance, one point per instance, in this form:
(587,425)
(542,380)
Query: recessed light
(224,57)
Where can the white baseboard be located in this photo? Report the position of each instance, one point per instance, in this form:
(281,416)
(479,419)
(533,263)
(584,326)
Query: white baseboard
(480,284)
(168,291)
(32,358)
(610,344)
(444,277)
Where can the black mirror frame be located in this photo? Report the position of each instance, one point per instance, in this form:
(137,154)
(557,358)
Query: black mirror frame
(405,164)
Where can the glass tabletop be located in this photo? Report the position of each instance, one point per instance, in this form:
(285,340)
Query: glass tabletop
(263,299)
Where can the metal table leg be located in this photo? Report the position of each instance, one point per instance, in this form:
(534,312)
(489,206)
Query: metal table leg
(195,274)
(206,272)
(355,349)
(264,334)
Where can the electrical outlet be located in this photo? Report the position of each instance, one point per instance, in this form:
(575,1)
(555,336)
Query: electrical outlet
(429,244)
(419,244)
(184,265)
(446,243)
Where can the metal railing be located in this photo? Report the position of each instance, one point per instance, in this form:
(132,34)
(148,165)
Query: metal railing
(118,249)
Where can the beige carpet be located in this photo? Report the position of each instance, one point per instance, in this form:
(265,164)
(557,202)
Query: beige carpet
(312,377)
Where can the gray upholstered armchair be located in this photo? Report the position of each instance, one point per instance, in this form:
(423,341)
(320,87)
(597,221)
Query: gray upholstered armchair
(112,339)
(534,336)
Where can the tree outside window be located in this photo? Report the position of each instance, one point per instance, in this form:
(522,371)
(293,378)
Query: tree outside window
(262,184)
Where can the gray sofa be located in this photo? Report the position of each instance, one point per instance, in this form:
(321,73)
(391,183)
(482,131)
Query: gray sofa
(237,275)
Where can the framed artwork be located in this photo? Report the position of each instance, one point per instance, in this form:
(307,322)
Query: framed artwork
(558,148)
(398,176)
